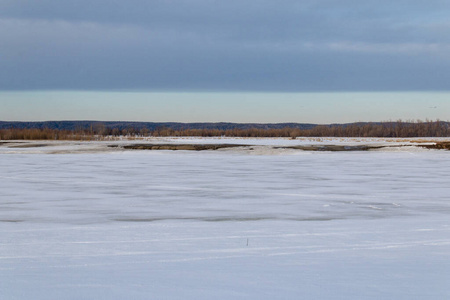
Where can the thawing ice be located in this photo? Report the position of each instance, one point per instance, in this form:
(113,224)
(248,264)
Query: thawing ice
(94,223)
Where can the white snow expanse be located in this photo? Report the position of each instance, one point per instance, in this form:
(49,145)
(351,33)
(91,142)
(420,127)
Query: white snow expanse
(82,221)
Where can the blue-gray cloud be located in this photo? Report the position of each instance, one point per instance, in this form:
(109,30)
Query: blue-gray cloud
(225,45)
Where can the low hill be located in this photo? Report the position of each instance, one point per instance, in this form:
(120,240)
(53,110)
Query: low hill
(151,126)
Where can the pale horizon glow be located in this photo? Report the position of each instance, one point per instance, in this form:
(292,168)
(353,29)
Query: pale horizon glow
(246,107)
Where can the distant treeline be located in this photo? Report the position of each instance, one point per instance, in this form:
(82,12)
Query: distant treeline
(150,126)
(100,131)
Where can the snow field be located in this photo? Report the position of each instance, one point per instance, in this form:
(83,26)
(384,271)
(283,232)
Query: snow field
(225,225)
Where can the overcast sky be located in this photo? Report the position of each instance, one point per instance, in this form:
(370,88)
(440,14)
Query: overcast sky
(261,107)
(199,46)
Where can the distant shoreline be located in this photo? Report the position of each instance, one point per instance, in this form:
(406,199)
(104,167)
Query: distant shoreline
(96,130)
(241,145)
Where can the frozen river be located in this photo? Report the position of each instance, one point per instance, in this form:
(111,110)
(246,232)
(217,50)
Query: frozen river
(225,224)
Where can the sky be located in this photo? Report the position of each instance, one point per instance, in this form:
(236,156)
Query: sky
(263,107)
(209,60)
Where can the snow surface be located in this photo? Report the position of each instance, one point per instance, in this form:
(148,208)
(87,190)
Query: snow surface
(224,224)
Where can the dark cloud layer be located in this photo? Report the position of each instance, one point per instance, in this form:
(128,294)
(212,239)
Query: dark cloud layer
(318,45)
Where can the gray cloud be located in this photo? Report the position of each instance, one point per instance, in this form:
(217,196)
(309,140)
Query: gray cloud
(224,45)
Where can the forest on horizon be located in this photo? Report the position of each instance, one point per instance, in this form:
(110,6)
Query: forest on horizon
(100,130)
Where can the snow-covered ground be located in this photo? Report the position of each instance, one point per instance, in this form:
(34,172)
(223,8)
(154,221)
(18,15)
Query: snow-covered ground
(227,224)
(263,145)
